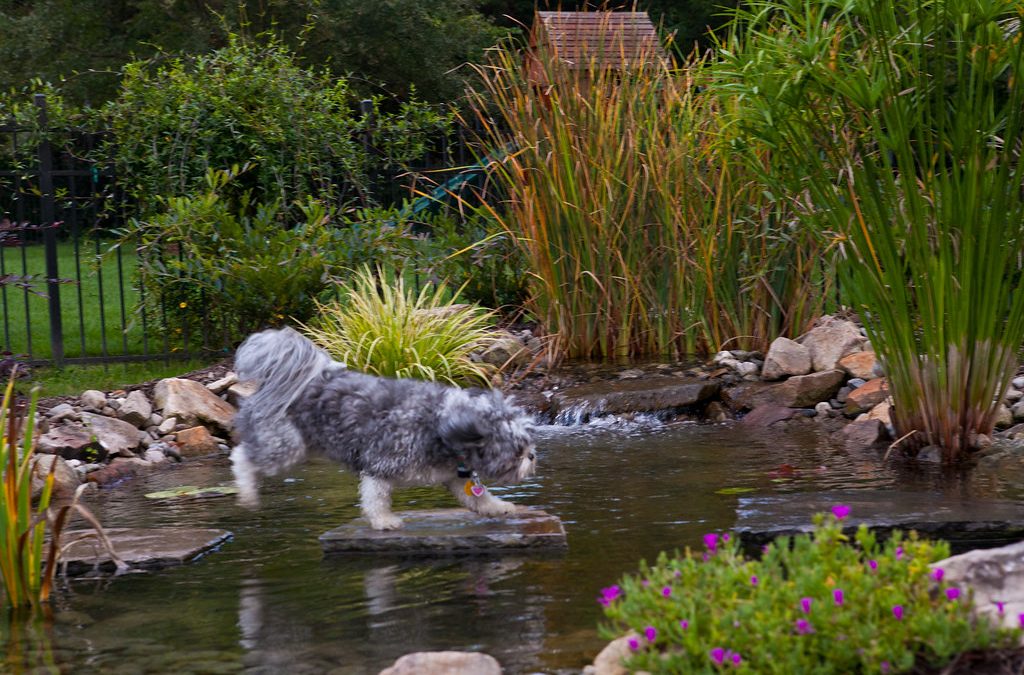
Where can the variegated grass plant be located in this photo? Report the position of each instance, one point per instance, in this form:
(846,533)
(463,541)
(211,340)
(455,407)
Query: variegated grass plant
(644,231)
(26,529)
(905,121)
(381,326)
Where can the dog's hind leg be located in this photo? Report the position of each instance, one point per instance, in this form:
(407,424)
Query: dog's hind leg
(375,499)
(246,477)
(486,504)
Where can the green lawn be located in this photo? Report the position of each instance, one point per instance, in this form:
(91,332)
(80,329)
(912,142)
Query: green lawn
(91,327)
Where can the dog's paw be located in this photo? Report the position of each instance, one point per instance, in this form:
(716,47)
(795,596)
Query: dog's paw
(390,522)
(497,507)
(249,500)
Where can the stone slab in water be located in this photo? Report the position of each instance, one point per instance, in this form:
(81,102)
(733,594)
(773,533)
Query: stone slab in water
(965,524)
(140,548)
(647,394)
(450,531)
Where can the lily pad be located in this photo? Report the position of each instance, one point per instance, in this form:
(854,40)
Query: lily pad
(193,491)
(734,490)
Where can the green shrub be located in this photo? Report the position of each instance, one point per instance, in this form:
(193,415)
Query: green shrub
(812,604)
(251,102)
(234,262)
(387,329)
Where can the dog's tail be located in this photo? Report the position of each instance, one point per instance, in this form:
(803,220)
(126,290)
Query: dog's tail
(281,362)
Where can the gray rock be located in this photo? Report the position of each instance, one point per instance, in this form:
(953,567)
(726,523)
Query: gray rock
(135,409)
(139,548)
(192,403)
(747,370)
(995,575)
(1004,418)
(646,394)
(167,426)
(1018,382)
(609,661)
(786,357)
(1018,411)
(721,356)
(630,374)
(237,393)
(831,340)
(61,411)
(864,434)
(1013,395)
(444,663)
(823,409)
(109,411)
(93,399)
(766,415)
(931,454)
(154,456)
(155,420)
(716,412)
(116,436)
(221,385)
(803,391)
(843,393)
(856,382)
(506,351)
(65,478)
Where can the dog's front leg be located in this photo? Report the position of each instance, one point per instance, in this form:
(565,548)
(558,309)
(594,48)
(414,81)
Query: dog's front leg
(485,504)
(375,499)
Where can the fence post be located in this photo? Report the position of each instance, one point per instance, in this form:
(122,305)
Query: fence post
(47,212)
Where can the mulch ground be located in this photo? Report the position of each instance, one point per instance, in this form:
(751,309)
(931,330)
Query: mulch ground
(999,662)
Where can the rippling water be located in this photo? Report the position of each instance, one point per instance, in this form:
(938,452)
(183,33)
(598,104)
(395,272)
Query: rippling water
(269,602)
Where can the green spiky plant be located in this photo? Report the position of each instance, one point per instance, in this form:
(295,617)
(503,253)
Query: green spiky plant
(381,326)
(644,231)
(27,574)
(903,123)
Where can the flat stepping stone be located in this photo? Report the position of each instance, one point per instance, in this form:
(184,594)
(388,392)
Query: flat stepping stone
(139,548)
(647,394)
(450,531)
(965,524)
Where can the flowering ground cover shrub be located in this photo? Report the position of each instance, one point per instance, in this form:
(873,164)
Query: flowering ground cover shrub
(813,603)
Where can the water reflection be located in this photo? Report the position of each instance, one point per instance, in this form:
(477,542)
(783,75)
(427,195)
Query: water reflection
(270,602)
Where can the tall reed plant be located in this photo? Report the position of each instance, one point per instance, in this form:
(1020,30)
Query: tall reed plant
(904,123)
(27,528)
(644,232)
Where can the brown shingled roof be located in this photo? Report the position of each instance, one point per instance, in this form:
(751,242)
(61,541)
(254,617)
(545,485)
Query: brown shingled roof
(614,39)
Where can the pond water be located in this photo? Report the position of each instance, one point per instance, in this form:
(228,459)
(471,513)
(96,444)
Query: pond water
(269,602)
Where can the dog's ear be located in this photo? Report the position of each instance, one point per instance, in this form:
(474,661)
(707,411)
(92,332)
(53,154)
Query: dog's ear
(461,429)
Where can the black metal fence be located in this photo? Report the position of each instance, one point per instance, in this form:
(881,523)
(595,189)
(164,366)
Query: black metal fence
(68,294)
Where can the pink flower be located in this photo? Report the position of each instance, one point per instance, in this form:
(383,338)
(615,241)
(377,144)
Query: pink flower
(1001,606)
(666,591)
(725,538)
(805,605)
(952,593)
(938,573)
(717,655)
(897,611)
(1020,619)
(884,666)
(736,659)
(840,511)
(899,552)
(753,580)
(609,595)
(651,633)
(873,564)
(803,627)
(711,541)
(684,624)
(837,596)
(634,644)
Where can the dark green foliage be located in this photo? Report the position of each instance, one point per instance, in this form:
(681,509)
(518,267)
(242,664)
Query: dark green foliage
(297,129)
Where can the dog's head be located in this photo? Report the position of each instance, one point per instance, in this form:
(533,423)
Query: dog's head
(492,435)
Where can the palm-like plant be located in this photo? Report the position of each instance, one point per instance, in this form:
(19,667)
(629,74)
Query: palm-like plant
(903,123)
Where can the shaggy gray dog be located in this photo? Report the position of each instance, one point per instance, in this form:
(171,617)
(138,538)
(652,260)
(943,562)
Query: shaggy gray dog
(393,432)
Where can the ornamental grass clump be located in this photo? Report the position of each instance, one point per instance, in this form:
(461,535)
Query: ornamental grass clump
(814,603)
(902,125)
(380,326)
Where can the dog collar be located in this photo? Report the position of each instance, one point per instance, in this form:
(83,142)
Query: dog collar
(462,471)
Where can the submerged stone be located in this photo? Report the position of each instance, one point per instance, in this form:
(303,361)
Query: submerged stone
(645,394)
(450,531)
(965,524)
(139,547)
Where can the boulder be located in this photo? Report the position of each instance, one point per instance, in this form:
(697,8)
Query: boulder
(115,436)
(196,441)
(609,661)
(867,397)
(192,403)
(804,391)
(93,399)
(786,357)
(859,364)
(831,340)
(135,409)
(223,383)
(864,434)
(61,412)
(768,414)
(444,663)
(71,441)
(65,478)
(996,575)
(645,394)
(1004,418)
(506,350)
